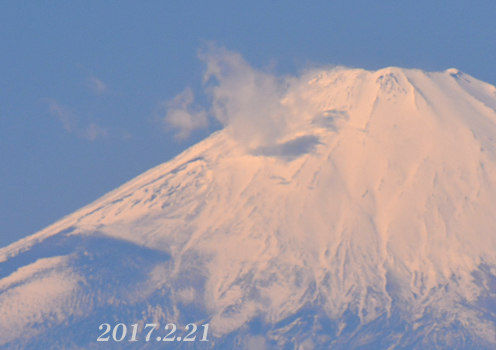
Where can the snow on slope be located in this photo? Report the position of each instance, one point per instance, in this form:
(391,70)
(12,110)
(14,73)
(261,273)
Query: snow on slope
(382,189)
(37,293)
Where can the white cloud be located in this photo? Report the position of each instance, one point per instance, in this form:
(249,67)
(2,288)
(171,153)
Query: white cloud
(67,117)
(181,117)
(94,131)
(96,85)
(246,101)
(70,121)
(125,134)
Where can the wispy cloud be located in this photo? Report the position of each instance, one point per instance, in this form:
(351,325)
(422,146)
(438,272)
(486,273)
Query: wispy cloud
(249,103)
(66,116)
(245,100)
(181,117)
(71,124)
(94,131)
(125,134)
(96,85)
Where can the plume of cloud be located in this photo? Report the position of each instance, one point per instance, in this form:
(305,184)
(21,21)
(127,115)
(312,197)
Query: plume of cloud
(181,117)
(246,101)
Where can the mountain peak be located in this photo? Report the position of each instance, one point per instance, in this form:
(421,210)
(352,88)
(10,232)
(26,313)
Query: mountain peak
(376,202)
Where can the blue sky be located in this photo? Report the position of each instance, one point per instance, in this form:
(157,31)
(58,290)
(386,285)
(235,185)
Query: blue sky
(82,83)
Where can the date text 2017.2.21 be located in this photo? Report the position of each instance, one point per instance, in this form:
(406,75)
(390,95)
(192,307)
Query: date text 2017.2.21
(120,330)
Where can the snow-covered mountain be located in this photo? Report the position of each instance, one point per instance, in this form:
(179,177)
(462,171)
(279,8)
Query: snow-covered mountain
(369,224)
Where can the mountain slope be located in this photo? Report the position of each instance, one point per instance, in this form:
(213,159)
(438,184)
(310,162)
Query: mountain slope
(368,224)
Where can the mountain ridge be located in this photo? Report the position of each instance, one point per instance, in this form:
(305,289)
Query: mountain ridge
(376,202)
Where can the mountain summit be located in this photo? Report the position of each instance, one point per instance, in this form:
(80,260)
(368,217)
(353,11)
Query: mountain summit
(369,223)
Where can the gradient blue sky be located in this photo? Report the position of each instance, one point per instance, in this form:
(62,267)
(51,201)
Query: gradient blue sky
(81,81)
